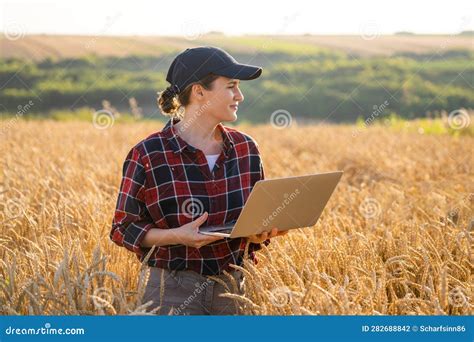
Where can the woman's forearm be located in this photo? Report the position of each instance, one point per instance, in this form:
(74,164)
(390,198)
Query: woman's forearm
(160,237)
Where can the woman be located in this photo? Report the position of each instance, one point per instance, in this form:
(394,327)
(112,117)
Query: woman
(194,172)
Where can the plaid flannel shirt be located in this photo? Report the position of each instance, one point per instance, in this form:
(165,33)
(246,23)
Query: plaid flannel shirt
(167,183)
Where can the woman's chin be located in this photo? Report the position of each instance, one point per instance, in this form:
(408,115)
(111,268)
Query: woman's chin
(232,116)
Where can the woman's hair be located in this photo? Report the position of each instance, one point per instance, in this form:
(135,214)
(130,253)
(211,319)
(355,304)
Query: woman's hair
(170,103)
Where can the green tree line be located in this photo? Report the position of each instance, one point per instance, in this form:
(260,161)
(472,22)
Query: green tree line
(323,85)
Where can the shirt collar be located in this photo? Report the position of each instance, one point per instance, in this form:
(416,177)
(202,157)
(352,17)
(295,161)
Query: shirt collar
(178,144)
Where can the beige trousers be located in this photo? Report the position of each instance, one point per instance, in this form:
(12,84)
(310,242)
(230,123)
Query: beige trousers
(189,293)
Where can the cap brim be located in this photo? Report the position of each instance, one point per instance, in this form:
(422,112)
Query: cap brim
(240,71)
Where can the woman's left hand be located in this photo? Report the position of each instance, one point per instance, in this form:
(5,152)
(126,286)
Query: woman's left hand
(259,238)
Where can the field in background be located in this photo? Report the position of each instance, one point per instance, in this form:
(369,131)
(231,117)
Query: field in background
(320,78)
(38,47)
(395,238)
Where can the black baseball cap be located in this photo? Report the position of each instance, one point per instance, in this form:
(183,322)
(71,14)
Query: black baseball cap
(193,64)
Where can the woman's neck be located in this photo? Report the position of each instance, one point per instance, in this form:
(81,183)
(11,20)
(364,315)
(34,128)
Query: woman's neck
(200,133)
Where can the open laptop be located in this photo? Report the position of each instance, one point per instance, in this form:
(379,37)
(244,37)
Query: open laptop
(284,203)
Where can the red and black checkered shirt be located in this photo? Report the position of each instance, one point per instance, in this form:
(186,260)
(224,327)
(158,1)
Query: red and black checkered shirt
(167,183)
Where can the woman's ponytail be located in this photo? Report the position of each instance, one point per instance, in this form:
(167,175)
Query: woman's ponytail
(168,102)
(172,100)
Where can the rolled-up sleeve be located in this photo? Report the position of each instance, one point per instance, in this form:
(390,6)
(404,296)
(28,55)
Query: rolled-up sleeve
(256,246)
(131,219)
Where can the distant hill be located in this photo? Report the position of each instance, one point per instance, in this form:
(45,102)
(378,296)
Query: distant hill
(39,47)
(336,78)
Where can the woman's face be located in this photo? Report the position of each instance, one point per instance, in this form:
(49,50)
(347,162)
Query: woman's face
(222,99)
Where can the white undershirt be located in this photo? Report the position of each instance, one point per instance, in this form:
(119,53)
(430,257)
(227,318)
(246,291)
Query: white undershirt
(211,160)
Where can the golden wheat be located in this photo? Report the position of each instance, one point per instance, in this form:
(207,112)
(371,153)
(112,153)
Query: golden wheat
(395,238)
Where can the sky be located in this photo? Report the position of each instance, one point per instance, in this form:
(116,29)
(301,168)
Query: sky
(186,17)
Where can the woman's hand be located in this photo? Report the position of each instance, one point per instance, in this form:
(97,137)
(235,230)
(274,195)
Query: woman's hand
(259,238)
(189,235)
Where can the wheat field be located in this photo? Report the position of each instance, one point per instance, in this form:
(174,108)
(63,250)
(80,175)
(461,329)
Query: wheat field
(395,238)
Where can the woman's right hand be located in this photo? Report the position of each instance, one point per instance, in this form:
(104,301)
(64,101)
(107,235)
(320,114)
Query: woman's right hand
(189,235)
